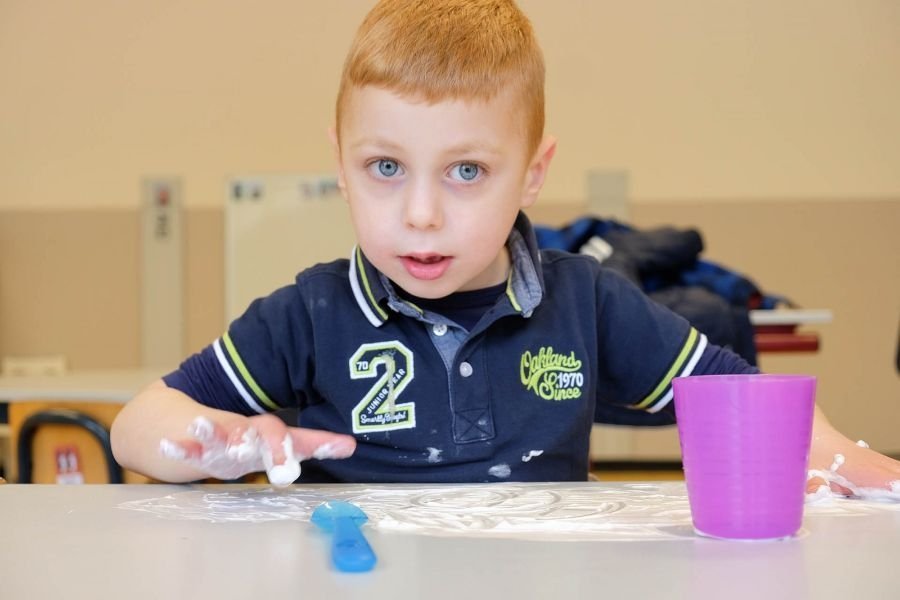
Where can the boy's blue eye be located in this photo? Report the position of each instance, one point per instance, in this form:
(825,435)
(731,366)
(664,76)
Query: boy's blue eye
(388,167)
(466,171)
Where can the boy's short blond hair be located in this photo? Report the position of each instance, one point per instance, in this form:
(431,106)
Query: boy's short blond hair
(449,49)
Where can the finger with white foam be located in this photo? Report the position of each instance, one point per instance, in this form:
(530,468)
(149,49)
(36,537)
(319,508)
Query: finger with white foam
(248,449)
(329,450)
(336,450)
(322,444)
(287,472)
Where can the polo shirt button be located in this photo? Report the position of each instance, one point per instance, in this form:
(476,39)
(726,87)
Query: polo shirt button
(465,369)
(439,329)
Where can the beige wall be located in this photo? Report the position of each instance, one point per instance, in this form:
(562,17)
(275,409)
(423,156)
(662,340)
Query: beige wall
(772,126)
(68,286)
(703,99)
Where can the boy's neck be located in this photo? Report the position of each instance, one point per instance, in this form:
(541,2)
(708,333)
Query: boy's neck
(497,288)
(464,308)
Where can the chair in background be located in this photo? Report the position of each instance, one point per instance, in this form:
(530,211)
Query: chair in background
(59,416)
(23,366)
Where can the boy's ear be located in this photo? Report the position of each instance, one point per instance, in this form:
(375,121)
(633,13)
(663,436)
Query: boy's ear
(336,146)
(537,170)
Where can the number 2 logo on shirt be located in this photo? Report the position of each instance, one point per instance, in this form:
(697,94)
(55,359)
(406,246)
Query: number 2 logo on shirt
(379,410)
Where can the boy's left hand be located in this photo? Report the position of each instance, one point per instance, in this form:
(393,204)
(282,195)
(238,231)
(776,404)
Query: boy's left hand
(861,467)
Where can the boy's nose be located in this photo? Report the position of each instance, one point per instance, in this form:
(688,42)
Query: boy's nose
(422,209)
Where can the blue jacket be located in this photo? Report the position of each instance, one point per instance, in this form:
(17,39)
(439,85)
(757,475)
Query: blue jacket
(665,257)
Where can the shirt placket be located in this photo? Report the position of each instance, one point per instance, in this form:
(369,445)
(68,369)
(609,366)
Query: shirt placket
(469,395)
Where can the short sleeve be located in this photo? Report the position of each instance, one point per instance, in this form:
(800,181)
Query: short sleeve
(263,363)
(267,352)
(643,346)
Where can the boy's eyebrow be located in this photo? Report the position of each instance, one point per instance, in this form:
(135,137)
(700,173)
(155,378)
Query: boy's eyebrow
(377,142)
(471,148)
(464,148)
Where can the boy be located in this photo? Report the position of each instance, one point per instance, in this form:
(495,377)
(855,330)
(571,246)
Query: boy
(448,348)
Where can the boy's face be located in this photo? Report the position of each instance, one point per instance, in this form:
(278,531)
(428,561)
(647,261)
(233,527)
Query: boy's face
(434,189)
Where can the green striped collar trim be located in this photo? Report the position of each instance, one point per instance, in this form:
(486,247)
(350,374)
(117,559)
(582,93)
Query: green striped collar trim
(511,294)
(416,308)
(367,288)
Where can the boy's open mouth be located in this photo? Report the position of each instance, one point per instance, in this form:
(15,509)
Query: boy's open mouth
(425,266)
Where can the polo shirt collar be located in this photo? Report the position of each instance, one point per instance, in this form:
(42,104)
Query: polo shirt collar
(524,287)
(368,287)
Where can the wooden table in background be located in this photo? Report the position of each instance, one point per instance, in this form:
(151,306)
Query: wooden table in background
(778,330)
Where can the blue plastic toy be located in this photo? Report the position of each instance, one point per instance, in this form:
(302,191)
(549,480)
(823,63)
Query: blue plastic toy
(350,552)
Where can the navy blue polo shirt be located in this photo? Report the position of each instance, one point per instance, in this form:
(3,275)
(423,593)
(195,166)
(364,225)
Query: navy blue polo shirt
(513,398)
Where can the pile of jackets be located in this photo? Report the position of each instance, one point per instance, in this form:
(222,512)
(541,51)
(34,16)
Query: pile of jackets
(665,263)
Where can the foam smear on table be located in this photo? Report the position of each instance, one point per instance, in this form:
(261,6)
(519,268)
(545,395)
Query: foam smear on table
(570,512)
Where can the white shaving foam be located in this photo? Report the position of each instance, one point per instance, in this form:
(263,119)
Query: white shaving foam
(287,472)
(201,428)
(822,495)
(547,512)
(501,471)
(248,449)
(531,454)
(865,493)
(434,455)
(324,451)
(170,449)
(838,461)
(331,450)
(879,494)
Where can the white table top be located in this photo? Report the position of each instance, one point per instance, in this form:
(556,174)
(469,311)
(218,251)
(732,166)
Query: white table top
(167,541)
(99,385)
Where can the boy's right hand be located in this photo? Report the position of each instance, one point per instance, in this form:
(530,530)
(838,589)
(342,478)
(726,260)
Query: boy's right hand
(259,443)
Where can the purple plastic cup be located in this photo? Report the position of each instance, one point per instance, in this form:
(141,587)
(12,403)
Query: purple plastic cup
(745,448)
